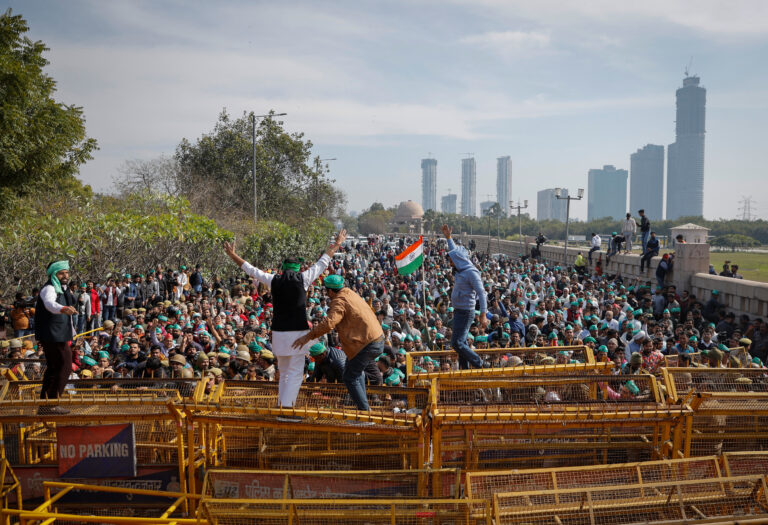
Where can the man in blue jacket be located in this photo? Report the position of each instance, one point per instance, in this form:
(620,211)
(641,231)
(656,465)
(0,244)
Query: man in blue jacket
(467,290)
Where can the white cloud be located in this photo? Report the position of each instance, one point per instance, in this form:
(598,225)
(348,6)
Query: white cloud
(509,40)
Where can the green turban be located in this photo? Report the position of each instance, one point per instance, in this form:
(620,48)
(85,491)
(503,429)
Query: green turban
(316,349)
(334,282)
(55,268)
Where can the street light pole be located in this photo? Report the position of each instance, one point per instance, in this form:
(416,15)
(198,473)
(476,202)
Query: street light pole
(253,161)
(568,198)
(517,206)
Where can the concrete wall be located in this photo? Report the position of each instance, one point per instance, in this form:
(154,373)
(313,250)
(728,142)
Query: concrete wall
(740,296)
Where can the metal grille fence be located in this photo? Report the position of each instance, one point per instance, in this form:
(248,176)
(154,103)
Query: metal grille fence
(321,512)
(500,357)
(364,484)
(731,407)
(658,502)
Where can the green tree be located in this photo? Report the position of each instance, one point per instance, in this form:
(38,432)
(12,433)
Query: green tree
(42,142)
(290,188)
(735,240)
(375,219)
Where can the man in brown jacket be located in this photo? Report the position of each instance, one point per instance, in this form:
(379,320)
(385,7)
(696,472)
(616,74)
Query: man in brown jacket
(360,333)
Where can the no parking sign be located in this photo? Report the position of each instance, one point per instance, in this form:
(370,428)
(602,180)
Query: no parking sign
(102,451)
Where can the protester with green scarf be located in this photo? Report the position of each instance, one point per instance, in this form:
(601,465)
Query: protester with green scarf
(289,298)
(54,331)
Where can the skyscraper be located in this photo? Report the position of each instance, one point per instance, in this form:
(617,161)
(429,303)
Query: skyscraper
(550,208)
(607,193)
(429,184)
(685,157)
(646,183)
(504,182)
(468,187)
(448,203)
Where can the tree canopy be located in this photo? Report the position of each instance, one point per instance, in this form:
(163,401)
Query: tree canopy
(291,186)
(42,142)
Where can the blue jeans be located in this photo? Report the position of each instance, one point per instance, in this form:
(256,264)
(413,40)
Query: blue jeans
(109,313)
(353,375)
(644,238)
(462,320)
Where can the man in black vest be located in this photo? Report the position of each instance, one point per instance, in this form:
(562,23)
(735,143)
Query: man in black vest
(289,300)
(54,331)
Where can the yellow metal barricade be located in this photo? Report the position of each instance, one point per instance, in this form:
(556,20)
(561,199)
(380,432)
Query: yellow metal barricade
(715,500)
(241,427)
(324,484)
(731,407)
(500,357)
(400,511)
(83,503)
(486,484)
(553,421)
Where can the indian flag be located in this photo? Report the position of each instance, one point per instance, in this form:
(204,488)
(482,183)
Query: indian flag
(410,260)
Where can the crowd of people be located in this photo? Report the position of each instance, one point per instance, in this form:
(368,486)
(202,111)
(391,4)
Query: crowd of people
(303,321)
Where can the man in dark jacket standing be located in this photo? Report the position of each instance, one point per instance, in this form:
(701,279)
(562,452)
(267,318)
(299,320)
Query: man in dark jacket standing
(645,229)
(54,331)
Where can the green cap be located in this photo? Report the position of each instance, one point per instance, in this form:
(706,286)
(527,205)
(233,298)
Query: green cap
(89,361)
(316,349)
(334,282)
(103,354)
(603,349)
(632,387)
(590,340)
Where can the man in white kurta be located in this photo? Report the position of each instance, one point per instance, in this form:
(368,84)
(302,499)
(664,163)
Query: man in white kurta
(290,317)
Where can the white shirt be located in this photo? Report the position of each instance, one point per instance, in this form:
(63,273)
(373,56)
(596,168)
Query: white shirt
(308,276)
(596,241)
(48,295)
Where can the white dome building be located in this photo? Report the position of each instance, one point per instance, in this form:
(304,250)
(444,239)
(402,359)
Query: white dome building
(408,218)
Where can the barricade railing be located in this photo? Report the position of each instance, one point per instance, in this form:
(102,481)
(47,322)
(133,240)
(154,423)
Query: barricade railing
(85,503)
(401,511)
(679,501)
(242,427)
(10,488)
(500,357)
(82,390)
(29,430)
(25,369)
(739,352)
(424,379)
(545,390)
(731,407)
(745,463)
(323,484)
(553,421)
(486,484)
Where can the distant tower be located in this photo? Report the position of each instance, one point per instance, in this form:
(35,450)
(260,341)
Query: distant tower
(448,203)
(504,182)
(685,157)
(429,184)
(646,181)
(607,193)
(548,207)
(468,187)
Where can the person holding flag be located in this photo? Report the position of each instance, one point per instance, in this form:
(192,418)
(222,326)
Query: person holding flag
(467,290)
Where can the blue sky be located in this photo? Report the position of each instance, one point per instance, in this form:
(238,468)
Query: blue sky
(559,86)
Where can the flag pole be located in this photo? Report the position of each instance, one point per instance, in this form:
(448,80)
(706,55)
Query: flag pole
(424,287)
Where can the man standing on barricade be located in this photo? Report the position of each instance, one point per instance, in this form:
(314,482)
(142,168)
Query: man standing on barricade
(54,331)
(467,289)
(289,299)
(361,335)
